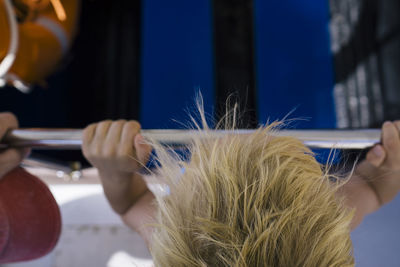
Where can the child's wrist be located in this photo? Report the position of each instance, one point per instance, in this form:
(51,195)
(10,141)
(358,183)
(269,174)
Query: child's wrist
(115,176)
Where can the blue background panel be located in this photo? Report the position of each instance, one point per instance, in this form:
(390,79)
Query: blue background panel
(177,60)
(294,62)
(376,240)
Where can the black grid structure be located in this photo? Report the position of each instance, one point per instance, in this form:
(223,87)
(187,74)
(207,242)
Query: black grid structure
(365,39)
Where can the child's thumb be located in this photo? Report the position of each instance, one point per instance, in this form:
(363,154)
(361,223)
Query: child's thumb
(376,156)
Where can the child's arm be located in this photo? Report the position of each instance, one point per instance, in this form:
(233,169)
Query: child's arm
(376,180)
(117,150)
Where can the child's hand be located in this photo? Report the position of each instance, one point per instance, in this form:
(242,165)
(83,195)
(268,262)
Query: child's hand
(11,157)
(115,147)
(118,151)
(382,166)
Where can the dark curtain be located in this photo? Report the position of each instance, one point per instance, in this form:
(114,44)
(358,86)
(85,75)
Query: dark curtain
(234,58)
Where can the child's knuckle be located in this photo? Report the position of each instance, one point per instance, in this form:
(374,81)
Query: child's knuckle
(133,125)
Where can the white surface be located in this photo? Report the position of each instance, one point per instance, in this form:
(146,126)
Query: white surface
(84,205)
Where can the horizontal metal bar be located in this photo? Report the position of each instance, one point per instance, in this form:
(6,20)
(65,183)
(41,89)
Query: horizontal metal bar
(72,138)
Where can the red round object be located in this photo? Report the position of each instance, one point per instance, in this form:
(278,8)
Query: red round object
(30,220)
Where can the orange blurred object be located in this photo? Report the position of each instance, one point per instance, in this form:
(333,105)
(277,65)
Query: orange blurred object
(46,28)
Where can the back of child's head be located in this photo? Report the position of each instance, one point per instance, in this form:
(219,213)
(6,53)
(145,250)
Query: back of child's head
(249,200)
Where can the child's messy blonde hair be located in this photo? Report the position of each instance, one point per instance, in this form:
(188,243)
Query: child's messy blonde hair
(252,200)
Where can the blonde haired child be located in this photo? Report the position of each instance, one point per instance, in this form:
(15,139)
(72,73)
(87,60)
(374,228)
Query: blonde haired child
(253,200)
